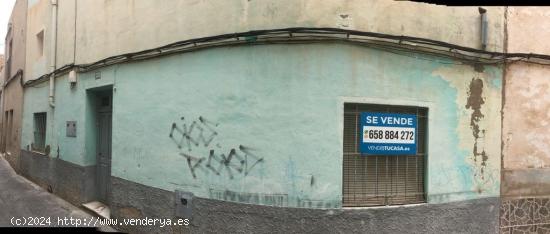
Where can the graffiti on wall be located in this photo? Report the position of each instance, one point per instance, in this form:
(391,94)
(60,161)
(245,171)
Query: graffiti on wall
(195,134)
(280,200)
(250,198)
(201,134)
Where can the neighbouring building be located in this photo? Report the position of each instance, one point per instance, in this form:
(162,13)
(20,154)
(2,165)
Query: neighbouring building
(2,65)
(1,89)
(257,117)
(12,84)
(525,187)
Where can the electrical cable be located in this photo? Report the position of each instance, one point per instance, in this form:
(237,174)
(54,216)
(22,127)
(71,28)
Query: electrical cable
(386,42)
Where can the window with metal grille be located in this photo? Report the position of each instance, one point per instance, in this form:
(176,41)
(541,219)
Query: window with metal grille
(8,125)
(8,61)
(39,143)
(376,180)
(10,129)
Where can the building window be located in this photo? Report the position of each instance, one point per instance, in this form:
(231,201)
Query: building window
(10,129)
(9,59)
(5,131)
(8,125)
(40,44)
(39,143)
(376,180)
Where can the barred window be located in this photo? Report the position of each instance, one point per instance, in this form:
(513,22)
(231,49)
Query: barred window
(377,180)
(39,143)
(8,128)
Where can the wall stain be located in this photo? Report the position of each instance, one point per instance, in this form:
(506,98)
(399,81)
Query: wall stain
(280,200)
(491,177)
(250,198)
(474,102)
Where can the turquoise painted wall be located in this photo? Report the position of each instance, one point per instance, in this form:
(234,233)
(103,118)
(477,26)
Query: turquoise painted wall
(71,105)
(279,107)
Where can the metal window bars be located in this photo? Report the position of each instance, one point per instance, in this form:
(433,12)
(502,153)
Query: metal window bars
(377,180)
(39,143)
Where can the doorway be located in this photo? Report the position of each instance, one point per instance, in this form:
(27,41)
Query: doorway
(104,120)
(98,144)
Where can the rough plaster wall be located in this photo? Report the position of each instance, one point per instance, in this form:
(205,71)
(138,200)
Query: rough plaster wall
(71,105)
(39,96)
(473,216)
(526,159)
(69,181)
(12,93)
(13,100)
(272,94)
(18,35)
(132,200)
(478,129)
(65,32)
(136,25)
(526,33)
(38,18)
(526,117)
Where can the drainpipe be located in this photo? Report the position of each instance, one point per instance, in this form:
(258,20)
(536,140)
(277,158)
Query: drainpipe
(53,48)
(484,25)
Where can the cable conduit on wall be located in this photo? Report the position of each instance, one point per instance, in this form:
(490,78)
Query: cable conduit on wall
(393,43)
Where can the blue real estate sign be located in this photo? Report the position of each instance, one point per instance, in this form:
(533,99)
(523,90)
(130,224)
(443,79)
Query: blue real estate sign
(387,133)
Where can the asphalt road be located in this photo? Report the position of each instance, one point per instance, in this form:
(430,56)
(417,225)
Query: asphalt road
(23,203)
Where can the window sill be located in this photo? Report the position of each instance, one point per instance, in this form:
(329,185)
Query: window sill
(39,152)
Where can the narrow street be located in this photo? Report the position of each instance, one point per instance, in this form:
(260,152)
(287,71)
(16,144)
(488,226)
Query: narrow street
(21,199)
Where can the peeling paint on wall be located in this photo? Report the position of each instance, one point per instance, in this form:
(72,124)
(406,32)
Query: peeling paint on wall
(478,125)
(474,102)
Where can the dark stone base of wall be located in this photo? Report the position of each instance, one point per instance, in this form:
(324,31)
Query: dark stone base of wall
(525,204)
(133,200)
(13,160)
(69,181)
(525,215)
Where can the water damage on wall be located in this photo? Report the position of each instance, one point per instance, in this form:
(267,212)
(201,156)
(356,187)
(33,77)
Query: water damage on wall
(474,102)
(200,135)
(476,163)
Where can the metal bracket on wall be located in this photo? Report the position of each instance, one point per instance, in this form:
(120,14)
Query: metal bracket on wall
(184,204)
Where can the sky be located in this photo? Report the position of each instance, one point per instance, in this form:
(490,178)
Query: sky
(5,11)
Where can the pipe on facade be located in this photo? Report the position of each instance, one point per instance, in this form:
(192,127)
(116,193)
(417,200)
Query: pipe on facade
(53,53)
(484,25)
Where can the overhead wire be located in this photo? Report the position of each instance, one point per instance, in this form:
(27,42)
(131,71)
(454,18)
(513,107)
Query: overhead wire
(387,42)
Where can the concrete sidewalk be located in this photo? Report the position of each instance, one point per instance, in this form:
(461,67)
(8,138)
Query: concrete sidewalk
(21,199)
